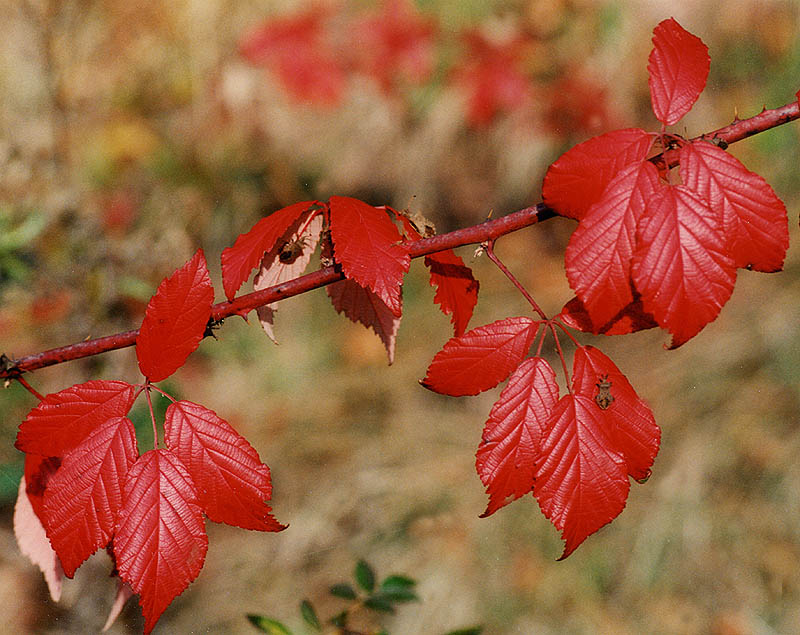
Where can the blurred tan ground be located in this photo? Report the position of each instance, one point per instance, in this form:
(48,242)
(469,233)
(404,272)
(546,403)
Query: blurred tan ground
(131,133)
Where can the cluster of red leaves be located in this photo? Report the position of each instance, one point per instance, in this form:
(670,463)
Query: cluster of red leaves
(312,55)
(575,453)
(365,242)
(646,252)
(649,251)
(395,47)
(89,488)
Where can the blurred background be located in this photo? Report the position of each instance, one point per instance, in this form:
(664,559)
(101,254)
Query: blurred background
(132,133)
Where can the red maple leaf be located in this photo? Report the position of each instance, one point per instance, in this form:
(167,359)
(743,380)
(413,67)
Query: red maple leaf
(582,482)
(481,358)
(84,497)
(63,419)
(296,49)
(366,244)
(175,320)
(681,265)
(579,177)
(160,541)
(364,306)
(492,76)
(678,67)
(632,427)
(511,443)
(232,482)
(396,44)
(753,217)
(246,253)
(599,253)
(287,259)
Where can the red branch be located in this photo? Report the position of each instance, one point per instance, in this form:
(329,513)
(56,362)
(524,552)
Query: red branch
(489,230)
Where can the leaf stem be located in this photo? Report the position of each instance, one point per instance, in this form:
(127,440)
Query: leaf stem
(29,388)
(147,388)
(561,355)
(489,246)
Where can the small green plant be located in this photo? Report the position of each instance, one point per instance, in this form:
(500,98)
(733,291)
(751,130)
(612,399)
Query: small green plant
(367,601)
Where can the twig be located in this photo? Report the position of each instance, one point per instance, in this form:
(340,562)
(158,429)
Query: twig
(486,231)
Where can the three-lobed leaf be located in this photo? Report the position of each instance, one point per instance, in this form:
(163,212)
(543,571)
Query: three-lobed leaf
(175,320)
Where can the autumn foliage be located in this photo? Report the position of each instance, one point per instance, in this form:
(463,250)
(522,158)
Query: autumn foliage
(663,225)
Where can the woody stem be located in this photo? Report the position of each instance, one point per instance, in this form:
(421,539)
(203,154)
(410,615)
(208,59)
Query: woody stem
(739,129)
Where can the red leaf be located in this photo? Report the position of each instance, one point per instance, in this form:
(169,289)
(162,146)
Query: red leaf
(38,472)
(481,358)
(579,177)
(232,482)
(296,49)
(83,498)
(630,319)
(397,44)
(160,542)
(582,484)
(632,427)
(493,76)
(678,67)
(124,593)
(365,244)
(512,438)
(598,257)
(239,261)
(362,305)
(753,217)
(33,543)
(287,259)
(63,419)
(456,288)
(681,265)
(175,320)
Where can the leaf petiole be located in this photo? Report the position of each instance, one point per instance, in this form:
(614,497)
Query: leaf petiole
(489,247)
(147,388)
